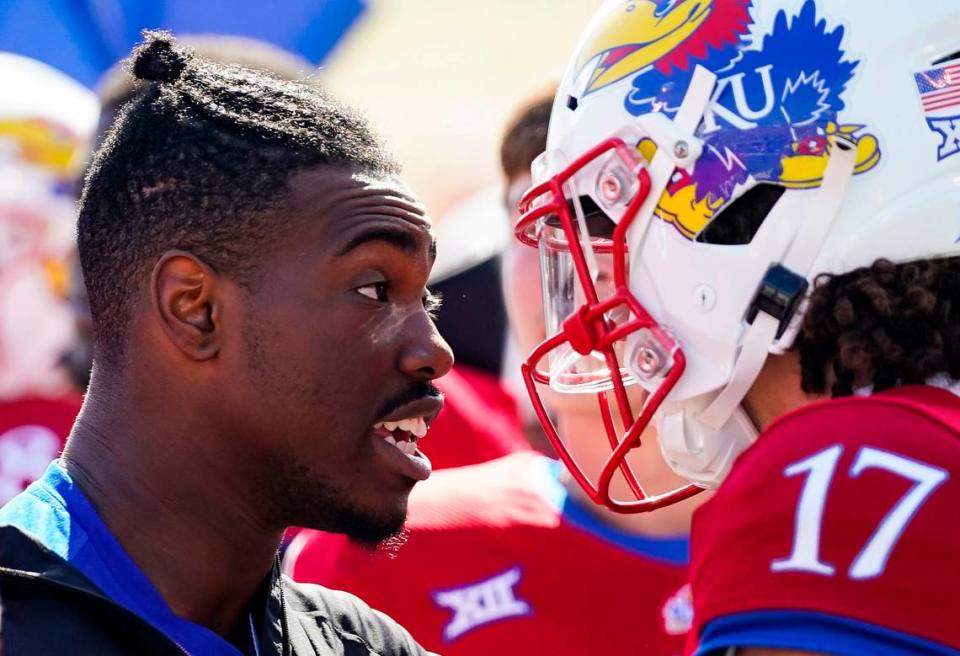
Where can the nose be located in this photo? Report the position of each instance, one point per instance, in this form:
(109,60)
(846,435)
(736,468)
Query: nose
(425,354)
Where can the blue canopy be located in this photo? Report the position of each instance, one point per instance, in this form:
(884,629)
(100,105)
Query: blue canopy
(83,38)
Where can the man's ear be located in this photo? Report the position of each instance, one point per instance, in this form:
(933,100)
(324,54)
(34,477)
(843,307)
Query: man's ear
(184,293)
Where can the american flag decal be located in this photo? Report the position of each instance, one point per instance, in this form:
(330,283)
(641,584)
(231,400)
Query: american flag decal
(940,96)
(939,88)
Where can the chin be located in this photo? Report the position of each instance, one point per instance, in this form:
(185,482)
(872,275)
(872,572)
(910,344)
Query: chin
(367,516)
(389,546)
(368,523)
(373,528)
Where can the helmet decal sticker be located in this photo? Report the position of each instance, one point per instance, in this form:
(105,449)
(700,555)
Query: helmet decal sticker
(42,143)
(665,34)
(940,96)
(770,117)
(678,612)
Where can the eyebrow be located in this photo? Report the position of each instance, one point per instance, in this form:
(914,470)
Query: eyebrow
(396,237)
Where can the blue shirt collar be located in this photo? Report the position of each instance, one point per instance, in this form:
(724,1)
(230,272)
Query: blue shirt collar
(55,512)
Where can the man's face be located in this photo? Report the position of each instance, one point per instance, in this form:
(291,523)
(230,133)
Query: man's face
(337,339)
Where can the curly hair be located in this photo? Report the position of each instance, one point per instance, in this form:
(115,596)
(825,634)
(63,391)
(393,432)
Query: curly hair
(882,326)
(200,160)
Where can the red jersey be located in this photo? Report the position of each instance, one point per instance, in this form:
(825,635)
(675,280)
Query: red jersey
(499,560)
(33,431)
(836,532)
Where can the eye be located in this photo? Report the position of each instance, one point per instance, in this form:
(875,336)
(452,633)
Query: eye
(663,8)
(376,291)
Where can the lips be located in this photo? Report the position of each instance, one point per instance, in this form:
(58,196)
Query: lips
(402,428)
(427,407)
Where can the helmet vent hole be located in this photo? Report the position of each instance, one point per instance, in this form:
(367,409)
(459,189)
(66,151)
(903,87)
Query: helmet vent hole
(737,224)
(950,57)
(572,103)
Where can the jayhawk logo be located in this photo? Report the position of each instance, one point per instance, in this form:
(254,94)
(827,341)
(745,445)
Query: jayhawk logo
(779,94)
(668,34)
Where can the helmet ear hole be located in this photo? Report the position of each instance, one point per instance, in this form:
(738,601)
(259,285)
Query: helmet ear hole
(944,60)
(737,224)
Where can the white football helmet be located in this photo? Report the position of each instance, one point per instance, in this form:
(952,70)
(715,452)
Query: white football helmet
(829,128)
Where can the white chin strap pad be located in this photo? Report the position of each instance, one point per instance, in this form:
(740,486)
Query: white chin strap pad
(700,453)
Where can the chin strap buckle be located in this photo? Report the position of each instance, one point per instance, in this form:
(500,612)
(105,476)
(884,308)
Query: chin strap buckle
(779,295)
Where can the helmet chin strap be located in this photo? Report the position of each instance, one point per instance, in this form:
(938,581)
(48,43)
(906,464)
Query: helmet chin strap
(701,438)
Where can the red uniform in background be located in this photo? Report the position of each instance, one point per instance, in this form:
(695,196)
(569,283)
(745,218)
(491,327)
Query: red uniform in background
(479,421)
(499,560)
(824,536)
(33,431)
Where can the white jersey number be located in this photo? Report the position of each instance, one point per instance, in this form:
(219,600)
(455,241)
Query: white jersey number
(819,470)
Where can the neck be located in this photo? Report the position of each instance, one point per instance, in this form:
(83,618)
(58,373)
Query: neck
(777,390)
(584,432)
(172,505)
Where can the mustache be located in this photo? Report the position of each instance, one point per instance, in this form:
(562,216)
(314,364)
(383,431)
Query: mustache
(413,393)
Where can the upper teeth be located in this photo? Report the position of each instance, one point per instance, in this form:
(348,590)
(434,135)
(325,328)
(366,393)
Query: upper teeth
(414,425)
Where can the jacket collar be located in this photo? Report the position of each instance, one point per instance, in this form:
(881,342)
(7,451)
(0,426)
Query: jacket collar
(24,558)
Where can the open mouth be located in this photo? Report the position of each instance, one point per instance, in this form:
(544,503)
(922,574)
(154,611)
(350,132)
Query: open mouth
(403,428)
(404,433)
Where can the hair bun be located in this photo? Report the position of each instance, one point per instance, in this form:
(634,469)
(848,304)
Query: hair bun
(158,59)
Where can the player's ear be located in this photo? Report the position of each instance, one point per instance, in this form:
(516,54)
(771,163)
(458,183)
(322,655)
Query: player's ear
(184,295)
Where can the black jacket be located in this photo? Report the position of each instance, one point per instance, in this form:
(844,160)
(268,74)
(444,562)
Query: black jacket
(48,607)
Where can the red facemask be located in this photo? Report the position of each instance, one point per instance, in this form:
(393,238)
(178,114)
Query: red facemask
(591,313)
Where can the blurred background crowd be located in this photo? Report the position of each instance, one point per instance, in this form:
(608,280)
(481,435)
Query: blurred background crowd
(461,92)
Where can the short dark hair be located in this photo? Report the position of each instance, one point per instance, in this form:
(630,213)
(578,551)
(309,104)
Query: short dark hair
(198,161)
(117,86)
(526,135)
